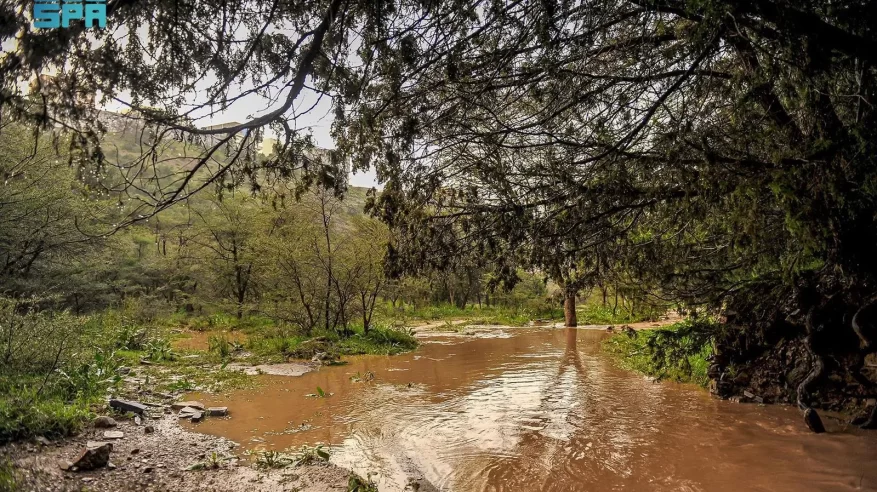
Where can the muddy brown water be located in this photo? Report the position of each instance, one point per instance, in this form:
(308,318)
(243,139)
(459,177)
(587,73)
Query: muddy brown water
(540,410)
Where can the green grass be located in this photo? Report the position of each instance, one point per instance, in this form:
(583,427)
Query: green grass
(678,352)
(378,341)
(597,314)
(23,416)
(487,315)
(8,476)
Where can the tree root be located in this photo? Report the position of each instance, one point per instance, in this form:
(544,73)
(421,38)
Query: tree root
(869,422)
(811,417)
(857,325)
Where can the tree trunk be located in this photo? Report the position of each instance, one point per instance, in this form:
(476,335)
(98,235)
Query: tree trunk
(569,309)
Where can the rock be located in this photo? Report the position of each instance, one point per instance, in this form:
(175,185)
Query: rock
(147,469)
(104,422)
(66,465)
(813,422)
(187,412)
(320,356)
(135,450)
(111,466)
(128,406)
(95,455)
(123,370)
(42,441)
(137,420)
(113,434)
(149,429)
(180,405)
(758,399)
(610,328)
(197,416)
(217,411)
(748,394)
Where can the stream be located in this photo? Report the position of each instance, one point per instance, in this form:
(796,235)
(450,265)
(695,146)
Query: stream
(539,409)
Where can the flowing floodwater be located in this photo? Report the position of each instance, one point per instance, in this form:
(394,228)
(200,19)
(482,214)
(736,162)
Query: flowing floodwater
(540,410)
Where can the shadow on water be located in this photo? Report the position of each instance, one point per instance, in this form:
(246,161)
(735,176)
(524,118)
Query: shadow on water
(539,409)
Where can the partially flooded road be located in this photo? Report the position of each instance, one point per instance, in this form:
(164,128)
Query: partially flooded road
(539,410)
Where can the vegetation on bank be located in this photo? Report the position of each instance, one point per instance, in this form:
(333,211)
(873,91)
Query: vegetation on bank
(679,352)
(58,370)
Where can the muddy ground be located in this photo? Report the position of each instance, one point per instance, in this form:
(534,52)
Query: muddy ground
(161,461)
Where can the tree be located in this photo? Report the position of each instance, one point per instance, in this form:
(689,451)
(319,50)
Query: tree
(724,147)
(368,244)
(228,232)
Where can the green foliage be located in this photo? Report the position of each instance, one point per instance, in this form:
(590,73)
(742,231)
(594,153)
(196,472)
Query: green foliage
(595,314)
(220,345)
(90,379)
(307,455)
(160,350)
(24,412)
(272,459)
(679,352)
(379,341)
(8,476)
(489,315)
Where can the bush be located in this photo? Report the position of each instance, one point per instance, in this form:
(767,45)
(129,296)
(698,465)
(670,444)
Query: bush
(26,413)
(51,370)
(679,352)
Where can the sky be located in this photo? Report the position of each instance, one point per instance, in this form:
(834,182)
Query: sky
(318,121)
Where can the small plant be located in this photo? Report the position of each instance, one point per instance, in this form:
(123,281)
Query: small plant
(220,345)
(272,459)
(184,384)
(159,350)
(93,377)
(319,394)
(358,484)
(307,455)
(131,337)
(213,461)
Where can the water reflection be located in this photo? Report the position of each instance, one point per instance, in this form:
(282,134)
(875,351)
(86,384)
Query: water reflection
(540,409)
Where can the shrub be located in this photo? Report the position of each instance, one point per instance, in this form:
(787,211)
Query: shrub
(679,352)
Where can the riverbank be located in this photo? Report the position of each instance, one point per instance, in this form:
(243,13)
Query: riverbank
(165,457)
(685,352)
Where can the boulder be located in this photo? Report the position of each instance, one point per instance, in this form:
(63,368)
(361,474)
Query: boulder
(104,422)
(128,406)
(95,455)
(217,411)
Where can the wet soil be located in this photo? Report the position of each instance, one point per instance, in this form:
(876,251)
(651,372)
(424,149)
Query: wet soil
(159,461)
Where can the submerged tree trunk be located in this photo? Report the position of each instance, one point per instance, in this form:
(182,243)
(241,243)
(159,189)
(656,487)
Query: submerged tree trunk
(569,308)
